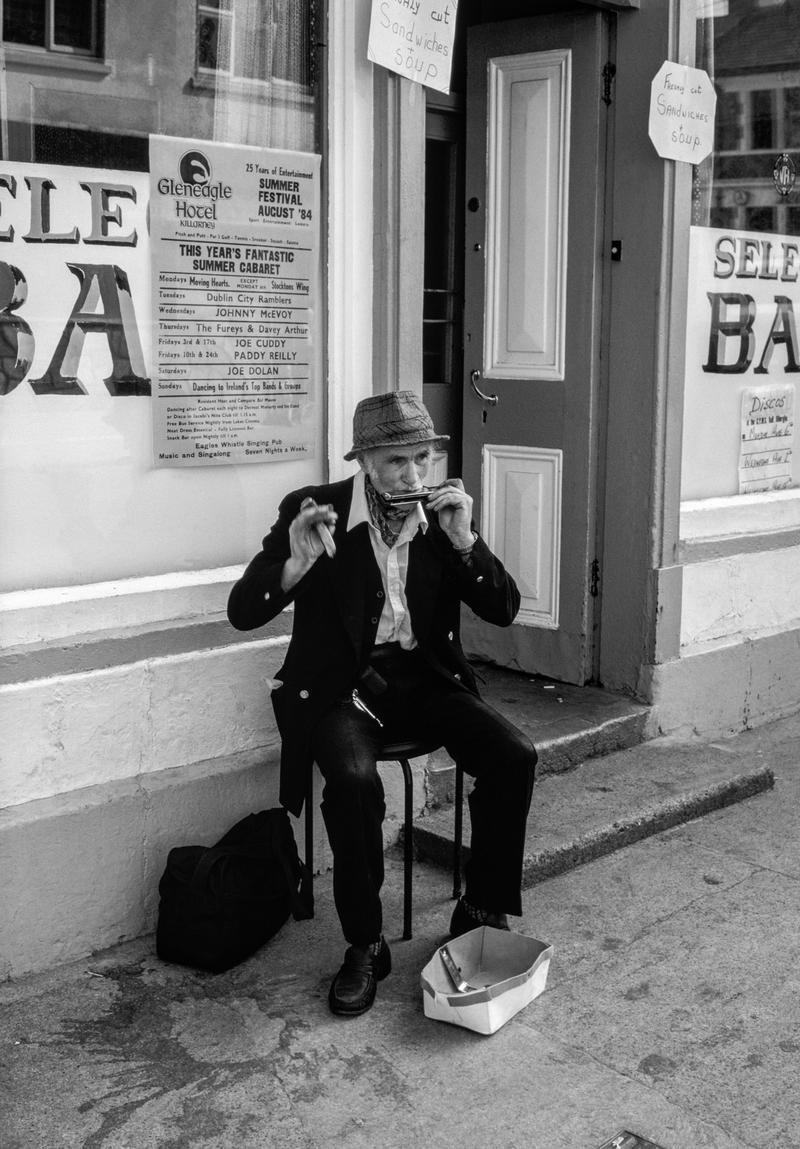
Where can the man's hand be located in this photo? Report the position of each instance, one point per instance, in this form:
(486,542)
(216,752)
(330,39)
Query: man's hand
(310,535)
(454,507)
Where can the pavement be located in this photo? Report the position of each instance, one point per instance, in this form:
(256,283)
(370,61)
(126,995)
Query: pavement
(671,1010)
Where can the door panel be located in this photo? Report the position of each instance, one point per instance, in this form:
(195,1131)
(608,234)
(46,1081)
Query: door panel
(526,204)
(534,193)
(521,495)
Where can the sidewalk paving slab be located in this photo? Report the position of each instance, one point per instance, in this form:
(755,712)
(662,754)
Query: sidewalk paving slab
(123,1052)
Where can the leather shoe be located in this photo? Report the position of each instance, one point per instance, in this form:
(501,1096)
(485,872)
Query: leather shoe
(353,989)
(466,917)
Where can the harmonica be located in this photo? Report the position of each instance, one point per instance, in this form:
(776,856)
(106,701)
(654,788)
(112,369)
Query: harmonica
(404,497)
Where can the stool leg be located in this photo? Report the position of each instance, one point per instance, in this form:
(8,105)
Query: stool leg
(408,846)
(309,812)
(458,831)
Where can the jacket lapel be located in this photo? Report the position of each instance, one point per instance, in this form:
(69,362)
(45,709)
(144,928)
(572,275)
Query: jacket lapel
(422,584)
(355,575)
(356,579)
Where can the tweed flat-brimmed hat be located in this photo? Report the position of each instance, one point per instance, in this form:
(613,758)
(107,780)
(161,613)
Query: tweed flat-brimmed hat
(396,419)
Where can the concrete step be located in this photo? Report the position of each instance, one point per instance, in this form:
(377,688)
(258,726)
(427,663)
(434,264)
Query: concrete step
(567,724)
(613,801)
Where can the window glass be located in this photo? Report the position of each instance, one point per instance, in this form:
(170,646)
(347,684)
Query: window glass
(441,317)
(237,71)
(25,21)
(74,24)
(443,298)
(61,25)
(751,49)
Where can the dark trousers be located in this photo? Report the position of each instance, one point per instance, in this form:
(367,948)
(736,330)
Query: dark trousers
(417,703)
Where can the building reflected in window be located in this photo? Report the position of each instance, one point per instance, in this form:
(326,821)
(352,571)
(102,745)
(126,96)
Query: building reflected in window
(751,49)
(88,81)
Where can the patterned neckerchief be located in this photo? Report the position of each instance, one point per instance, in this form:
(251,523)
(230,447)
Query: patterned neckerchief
(388,520)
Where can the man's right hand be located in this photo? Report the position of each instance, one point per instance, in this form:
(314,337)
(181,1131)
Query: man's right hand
(310,536)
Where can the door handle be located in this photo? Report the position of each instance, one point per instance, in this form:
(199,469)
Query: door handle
(474,377)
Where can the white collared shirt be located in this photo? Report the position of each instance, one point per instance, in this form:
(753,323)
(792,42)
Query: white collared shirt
(394,624)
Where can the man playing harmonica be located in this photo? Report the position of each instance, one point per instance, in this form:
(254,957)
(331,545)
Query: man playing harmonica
(377,585)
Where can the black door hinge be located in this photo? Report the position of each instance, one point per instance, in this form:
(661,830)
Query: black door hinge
(609,72)
(594,582)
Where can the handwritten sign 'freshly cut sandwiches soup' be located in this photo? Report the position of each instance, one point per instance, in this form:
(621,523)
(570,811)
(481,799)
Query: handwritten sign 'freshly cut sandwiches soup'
(415,39)
(682,111)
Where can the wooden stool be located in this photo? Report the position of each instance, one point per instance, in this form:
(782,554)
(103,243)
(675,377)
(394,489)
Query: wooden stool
(401,752)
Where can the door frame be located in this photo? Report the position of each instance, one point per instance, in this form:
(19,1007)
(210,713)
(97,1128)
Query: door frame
(638,492)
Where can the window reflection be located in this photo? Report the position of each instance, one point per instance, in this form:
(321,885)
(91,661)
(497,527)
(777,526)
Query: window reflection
(57,25)
(751,49)
(238,71)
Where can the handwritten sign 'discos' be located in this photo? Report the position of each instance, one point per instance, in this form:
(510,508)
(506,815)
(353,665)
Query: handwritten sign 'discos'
(415,39)
(765,454)
(682,109)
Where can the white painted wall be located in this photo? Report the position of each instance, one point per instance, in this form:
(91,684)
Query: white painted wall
(65,732)
(743,595)
(741,575)
(52,614)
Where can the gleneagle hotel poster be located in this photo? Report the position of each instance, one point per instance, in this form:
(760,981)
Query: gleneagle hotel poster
(235,290)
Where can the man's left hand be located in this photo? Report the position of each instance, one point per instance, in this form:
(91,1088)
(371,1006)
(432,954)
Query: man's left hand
(454,507)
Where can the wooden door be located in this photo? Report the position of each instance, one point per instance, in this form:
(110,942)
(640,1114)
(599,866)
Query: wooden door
(535,181)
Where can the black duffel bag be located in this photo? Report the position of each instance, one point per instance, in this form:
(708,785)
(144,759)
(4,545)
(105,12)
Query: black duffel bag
(220,903)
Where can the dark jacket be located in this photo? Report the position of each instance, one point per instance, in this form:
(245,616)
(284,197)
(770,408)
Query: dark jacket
(337,605)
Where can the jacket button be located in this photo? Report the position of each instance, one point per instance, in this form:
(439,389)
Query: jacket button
(304,694)
(457,677)
(479,578)
(266,596)
(380,594)
(450,636)
(374,621)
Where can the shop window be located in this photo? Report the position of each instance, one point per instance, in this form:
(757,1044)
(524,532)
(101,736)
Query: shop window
(54,25)
(751,49)
(93,92)
(742,364)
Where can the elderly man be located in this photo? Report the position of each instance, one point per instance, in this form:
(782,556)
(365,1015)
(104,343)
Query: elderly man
(377,580)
